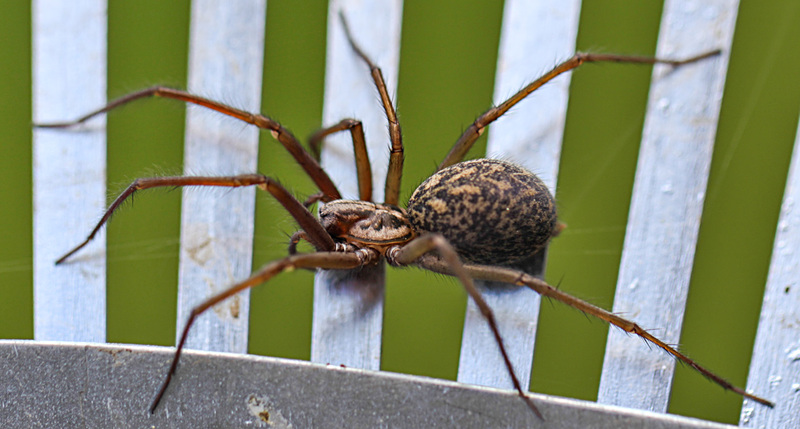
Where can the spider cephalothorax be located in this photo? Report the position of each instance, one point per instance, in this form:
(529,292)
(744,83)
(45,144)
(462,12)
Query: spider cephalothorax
(366,224)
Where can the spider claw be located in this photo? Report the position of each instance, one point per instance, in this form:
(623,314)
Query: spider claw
(531,406)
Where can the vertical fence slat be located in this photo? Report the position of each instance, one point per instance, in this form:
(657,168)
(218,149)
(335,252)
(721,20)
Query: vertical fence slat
(225,62)
(667,201)
(775,367)
(69,76)
(534,36)
(348,314)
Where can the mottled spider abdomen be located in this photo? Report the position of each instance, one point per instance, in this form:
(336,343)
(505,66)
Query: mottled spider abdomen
(493,212)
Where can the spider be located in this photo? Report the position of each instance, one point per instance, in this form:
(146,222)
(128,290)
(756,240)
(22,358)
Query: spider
(470,219)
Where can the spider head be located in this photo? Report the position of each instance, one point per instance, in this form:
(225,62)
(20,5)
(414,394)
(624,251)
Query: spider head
(366,224)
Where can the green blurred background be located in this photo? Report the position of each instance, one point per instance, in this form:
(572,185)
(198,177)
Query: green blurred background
(446,74)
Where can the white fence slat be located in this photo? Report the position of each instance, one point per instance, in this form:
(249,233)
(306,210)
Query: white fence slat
(225,60)
(69,190)
(775,367)
(534,36)
(667,201)
(348,314)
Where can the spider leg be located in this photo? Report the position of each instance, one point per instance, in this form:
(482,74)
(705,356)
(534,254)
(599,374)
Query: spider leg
(424,244)
(471,134)
(315,233)
(295,239)
(363,168)
(322,260)
(395,173)
(289,141)
(313,199)
(511,276)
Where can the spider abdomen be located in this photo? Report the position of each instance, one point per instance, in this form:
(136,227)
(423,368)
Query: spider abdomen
(493,212)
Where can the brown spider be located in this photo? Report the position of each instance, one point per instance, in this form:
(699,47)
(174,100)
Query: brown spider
(470,219)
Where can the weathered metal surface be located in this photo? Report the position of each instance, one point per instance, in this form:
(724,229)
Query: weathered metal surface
(106,385)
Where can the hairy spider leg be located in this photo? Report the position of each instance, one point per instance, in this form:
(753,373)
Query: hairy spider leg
(284,136)
(520,278)
(427,243)
(394,175)
(471,134)
(363,167)
(315,233)
(322,260)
